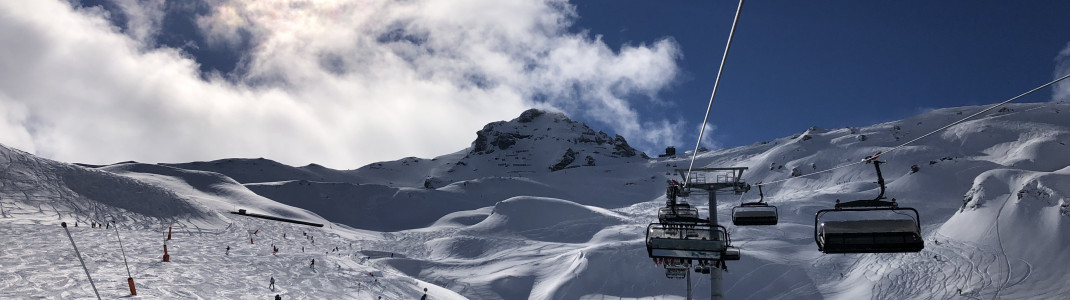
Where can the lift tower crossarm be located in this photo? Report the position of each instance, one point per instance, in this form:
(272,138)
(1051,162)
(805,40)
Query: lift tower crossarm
(722,178)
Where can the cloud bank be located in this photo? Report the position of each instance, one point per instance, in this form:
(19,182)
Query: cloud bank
(341,83)
(1061,90)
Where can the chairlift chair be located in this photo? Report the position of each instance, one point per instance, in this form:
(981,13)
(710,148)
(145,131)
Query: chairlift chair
(678,212)
(731,253)
(869,235)
(755,213)
(696,241)
(676,272)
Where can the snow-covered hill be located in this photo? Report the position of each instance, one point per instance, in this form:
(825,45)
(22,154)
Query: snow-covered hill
(546,208)
(533,155)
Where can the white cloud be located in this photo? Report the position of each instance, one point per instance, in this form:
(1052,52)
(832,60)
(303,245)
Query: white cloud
(13,117)
(707,138)
(663,133)
(343,83)
(143,18)
(1061,90)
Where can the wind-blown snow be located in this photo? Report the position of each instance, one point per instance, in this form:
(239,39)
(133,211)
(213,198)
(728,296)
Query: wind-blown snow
(543,207)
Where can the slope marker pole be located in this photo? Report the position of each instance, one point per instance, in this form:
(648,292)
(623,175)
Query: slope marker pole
(129,278)
(79,254)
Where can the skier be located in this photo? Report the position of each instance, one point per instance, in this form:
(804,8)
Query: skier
(276,250)
(228,250)
(277,297)
(313,264)
(272,285)
(425,295)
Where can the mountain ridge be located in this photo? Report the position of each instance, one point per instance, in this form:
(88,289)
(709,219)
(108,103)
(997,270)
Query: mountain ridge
(993,193)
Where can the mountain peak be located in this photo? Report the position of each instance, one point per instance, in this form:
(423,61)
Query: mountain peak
(529,115)
(537,141)
(539,128)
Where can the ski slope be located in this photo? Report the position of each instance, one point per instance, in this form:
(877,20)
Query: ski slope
(542,207)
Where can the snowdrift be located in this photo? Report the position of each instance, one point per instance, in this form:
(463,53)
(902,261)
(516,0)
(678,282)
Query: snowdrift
(546,219)
(44,191)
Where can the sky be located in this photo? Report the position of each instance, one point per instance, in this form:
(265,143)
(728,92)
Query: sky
(350,82)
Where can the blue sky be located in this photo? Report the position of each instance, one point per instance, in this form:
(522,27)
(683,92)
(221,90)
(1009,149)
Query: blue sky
(795,64)
(345,83)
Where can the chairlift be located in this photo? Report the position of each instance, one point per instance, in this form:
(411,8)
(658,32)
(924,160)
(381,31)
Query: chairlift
(676,272)
(755,213)
(900,233)
(731,253)
(678,212)
(696,241)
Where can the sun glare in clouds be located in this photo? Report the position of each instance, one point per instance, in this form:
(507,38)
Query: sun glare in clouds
(341,83)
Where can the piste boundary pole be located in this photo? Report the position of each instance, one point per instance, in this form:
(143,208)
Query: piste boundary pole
(79,254)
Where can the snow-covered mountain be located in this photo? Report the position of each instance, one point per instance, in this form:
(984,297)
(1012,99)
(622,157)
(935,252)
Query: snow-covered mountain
(544,207)
(526,156)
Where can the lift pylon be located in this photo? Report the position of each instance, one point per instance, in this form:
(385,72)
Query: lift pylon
(681,238)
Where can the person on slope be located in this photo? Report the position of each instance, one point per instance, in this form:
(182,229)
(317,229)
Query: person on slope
(228,250)
(313,264)
(278,297)
(272,284)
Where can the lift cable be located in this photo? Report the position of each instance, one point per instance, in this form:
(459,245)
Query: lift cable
(716,82)
(926,135)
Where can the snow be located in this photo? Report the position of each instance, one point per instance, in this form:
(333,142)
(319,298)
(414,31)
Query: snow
(498,221)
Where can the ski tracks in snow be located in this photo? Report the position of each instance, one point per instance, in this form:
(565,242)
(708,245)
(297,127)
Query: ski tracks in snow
(38,262)
(939,271)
